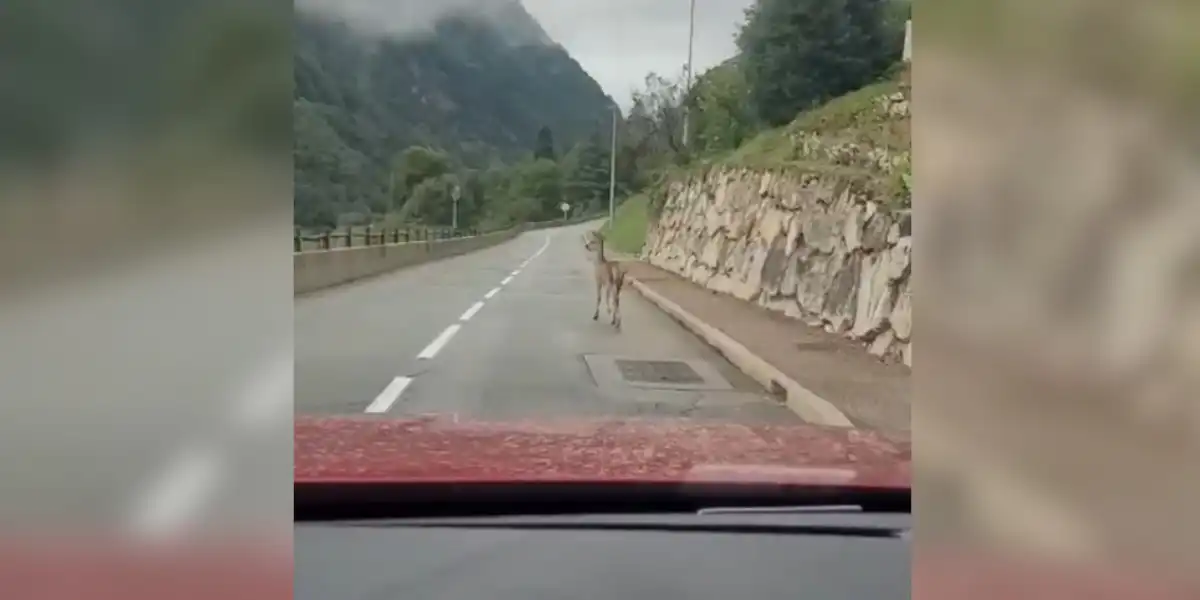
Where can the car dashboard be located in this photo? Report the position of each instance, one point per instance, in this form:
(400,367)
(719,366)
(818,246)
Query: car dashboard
(713,554)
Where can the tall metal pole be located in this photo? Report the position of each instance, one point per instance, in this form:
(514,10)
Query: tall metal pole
(687,89)
(908,40)
(612,168)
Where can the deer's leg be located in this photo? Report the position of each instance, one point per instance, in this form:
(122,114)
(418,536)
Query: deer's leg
(599,288)
(612,302)
(608,299)
(612,305)
(617,306)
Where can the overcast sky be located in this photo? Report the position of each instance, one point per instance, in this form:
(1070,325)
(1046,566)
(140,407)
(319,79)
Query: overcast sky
(617,41)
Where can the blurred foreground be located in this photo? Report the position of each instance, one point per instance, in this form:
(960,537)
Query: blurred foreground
(1057,417)
(145,315)
(146,311)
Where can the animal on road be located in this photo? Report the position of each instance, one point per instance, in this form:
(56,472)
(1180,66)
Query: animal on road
(609,275)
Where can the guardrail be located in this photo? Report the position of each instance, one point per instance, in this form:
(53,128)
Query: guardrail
(361,237)
(356,253)
(370,236)
(323,268)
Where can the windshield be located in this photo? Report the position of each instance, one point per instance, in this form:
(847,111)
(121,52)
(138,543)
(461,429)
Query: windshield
(519,257)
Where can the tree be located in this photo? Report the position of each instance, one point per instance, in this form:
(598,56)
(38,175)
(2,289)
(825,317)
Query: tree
(509,199)
(897,13)
(544,149)
(418,163)
(799,53)
(586,175)
(540,182)
(657,115)
(432,201)
(722,118)
(473,198)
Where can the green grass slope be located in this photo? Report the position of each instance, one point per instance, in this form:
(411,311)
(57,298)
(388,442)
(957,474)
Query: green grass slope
(863,137)
(627,231)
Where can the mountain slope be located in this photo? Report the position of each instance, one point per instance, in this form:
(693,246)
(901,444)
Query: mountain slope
(479,86)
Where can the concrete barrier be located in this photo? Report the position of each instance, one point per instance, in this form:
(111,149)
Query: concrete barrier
(319,269)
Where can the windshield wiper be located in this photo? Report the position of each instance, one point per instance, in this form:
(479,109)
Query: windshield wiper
(318,501)
(761,510)
(663,525)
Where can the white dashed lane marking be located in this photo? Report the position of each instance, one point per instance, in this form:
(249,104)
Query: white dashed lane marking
(387,398)
(466,316)
(439,342)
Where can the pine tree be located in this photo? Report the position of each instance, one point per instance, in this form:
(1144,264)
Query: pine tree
(545,145)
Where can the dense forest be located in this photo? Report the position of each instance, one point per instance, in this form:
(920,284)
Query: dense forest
(475,90)
(392,130)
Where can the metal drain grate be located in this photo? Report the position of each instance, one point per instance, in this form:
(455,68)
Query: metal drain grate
(658,371)
(654,373)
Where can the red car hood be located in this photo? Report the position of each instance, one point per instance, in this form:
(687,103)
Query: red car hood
(438,449)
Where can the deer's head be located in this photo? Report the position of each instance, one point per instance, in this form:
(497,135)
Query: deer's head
(592,240)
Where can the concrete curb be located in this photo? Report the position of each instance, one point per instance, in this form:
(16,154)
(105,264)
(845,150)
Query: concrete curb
(809,406)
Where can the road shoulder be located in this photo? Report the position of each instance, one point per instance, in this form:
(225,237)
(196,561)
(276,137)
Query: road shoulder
(824,379)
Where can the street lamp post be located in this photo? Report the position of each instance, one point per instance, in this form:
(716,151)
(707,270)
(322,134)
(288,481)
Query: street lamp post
(612,167)
(687,89)
(908,40)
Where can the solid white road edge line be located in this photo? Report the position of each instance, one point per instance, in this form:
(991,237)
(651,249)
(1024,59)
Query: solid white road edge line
(388,396)
(436,345)
(545,245)
(466,316)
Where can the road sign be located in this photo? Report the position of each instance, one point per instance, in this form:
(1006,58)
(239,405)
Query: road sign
(565,208)
(454,195)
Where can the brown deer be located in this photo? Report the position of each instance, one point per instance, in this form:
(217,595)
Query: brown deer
(610,277)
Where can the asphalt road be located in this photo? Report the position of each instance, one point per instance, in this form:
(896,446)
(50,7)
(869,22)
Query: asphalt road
(507,333)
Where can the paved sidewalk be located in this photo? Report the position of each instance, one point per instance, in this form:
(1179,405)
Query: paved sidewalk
(871,394)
